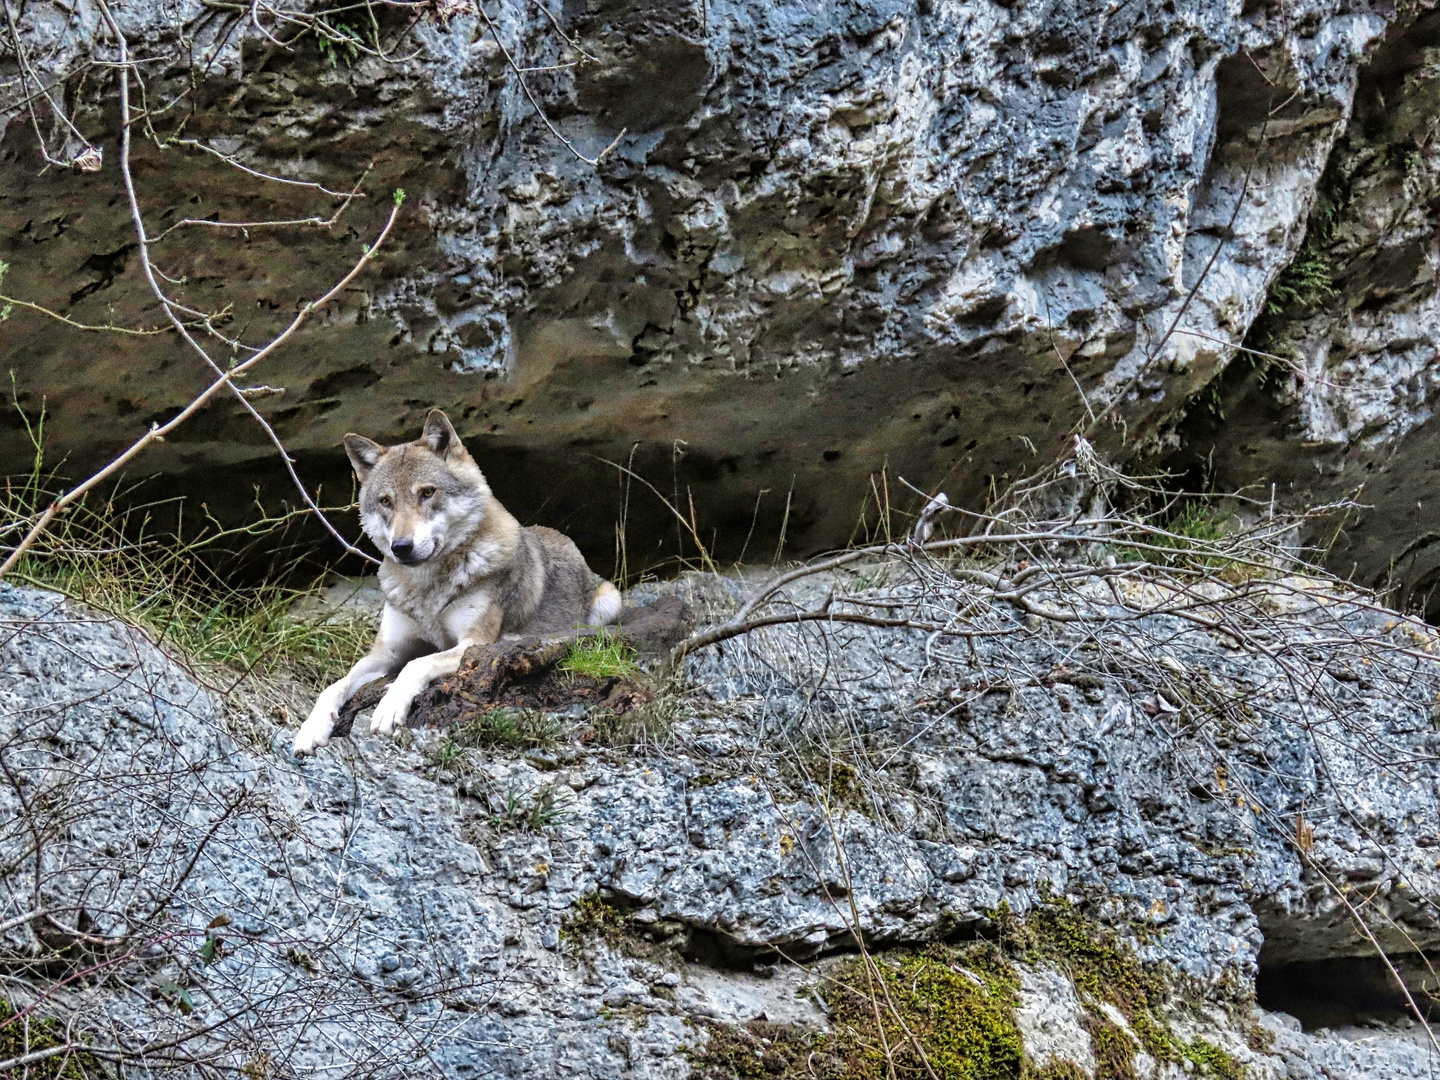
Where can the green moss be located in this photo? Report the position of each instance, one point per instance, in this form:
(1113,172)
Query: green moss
(1106,971)
(841,781)
(957,1004)
(950,1010)
(1114,1049)
(1155,1038)
(33,1033)
(593,918)
(756,1049)
(1258,1037)
(1103,968)
(1210,1060)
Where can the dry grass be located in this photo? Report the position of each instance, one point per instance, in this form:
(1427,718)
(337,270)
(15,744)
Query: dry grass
(111,555)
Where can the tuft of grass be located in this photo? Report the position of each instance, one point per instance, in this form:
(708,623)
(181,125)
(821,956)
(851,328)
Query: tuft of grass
(643,728)
(110,554)
(158,583)
(550,806)
(448,754)
(505,729)
(1403,157)
(600,656)
(1182,537)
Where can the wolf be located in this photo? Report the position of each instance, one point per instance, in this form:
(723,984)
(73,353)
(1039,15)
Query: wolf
(458,570)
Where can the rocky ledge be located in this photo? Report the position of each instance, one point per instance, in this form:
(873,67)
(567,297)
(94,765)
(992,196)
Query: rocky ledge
(1091,844)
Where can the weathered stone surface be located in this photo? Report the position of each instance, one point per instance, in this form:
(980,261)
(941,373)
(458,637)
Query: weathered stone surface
(1351,407)
(410,895)
(833,238)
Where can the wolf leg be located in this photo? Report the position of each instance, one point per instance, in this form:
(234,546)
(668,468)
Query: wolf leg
(605,608)
(481,626)
(413,678)
(396,643)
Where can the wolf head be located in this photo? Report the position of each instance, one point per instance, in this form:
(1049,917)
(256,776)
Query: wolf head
(420,499)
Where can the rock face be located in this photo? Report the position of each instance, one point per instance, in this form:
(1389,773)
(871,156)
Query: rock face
(390,908)
(832,239)
(1355,326)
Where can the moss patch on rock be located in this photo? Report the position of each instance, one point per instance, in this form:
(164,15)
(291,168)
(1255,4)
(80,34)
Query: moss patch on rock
(755,1049)
(594,918)
(951,1007)
(949,1011)
(32,1034)
(1106,971)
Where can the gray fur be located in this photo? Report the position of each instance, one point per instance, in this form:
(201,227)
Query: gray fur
(458,571)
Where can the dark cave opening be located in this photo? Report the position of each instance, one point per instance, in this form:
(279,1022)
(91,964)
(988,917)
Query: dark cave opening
(1347,990)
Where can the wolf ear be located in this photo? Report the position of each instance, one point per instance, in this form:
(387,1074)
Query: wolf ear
(364,454)
(438,435)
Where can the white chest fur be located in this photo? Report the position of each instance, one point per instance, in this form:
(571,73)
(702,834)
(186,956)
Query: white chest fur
(443,601)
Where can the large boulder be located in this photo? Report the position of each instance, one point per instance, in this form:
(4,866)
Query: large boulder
(832,239)
(575,910)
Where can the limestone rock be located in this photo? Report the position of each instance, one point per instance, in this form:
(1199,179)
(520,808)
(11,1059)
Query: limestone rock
(930,236)
(423,908)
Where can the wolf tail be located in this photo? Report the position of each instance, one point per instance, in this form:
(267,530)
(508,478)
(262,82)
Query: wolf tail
(606,606)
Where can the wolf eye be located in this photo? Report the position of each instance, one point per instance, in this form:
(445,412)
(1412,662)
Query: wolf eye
(384,501)
(426,492)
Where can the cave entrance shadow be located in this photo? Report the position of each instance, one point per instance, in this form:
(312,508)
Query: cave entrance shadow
(1348,990)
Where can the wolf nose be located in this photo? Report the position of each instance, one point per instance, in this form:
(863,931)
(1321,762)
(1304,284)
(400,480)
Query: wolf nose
(402,549)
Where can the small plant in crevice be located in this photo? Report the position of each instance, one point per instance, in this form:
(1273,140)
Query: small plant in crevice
(1310,278)
(341,34)
(533,811)
(1403,157)
(1307,281)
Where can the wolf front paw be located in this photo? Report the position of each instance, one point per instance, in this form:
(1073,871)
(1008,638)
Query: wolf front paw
(313,734)
(391,712)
